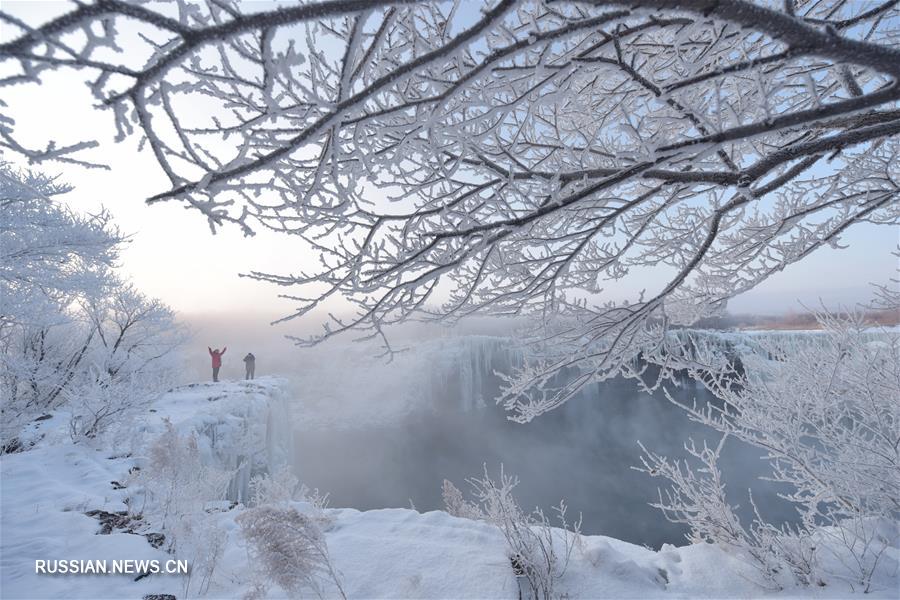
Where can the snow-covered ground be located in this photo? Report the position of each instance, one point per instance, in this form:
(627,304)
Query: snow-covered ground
(391,553)
(48,489)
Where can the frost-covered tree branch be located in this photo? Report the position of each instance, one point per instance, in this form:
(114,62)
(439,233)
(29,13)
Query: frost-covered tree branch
(512,160)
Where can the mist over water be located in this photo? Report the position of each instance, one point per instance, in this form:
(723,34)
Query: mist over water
(376,435)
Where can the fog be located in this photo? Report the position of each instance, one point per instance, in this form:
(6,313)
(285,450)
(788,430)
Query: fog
(277,355)
(374,433)
(240,334)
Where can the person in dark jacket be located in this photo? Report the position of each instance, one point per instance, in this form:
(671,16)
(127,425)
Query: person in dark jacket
(250,364)
(216,361)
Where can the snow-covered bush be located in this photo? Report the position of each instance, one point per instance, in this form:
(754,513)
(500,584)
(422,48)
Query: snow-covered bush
(202,542)
(175,479)
(281,486)
(296,558)
(177,490)
(456,505)
(278,487)
(288,548)
(825,410)
(40,360)
(538,552)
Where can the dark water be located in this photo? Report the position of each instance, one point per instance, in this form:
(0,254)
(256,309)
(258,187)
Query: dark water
(582,452)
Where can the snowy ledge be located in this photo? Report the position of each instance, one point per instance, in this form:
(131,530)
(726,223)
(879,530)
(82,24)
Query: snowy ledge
(391,553)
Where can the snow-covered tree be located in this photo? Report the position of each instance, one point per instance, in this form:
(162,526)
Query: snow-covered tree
(71,331)
(50,256)
(101,358)
(511,157)
(50,259)
(131,359)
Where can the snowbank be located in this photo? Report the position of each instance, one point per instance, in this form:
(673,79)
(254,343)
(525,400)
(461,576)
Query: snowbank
(47,489)
(390,553)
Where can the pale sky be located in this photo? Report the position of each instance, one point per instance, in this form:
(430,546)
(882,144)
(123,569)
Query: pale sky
(173,255)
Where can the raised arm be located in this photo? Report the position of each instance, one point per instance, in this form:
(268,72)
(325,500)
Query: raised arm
(210,350)
(223,351)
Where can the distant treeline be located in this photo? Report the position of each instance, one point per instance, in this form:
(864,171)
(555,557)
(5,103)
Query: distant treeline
(789,321)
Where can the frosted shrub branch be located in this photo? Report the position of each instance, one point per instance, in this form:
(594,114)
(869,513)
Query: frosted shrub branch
(823,408)
(177,488)
(538,552)
(289,548)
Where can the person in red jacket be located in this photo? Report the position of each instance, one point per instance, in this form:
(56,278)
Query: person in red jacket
(216,361)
